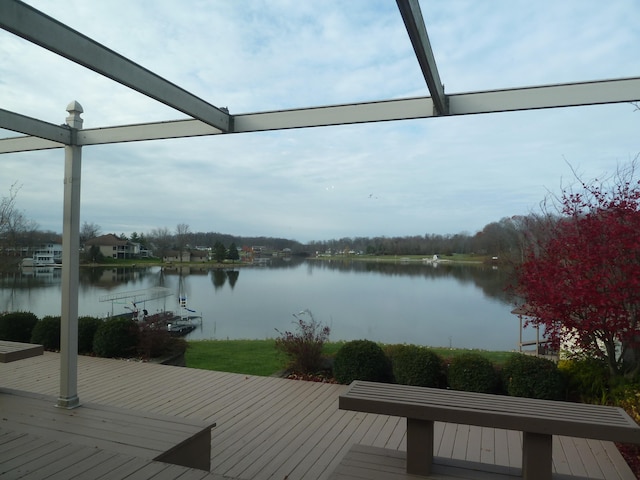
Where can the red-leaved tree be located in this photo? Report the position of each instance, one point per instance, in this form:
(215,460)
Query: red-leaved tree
(581,280)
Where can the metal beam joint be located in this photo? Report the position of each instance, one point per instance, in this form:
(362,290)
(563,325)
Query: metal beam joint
(414,23)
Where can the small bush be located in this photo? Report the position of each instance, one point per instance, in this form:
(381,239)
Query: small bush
(472,372)
(533,377)
(116,337)
(47,333)
(156,342)
(87,327)
(17,326)
(361,360)
(626,394)
(303,347)
(418,366)
(587,379)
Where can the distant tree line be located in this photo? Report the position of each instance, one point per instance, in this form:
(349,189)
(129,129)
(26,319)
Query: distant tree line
(505,239)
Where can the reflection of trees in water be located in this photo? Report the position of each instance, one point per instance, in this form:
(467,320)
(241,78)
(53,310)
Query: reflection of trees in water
(281,262)
(218,278)
(491,280)
(233,277)
(112,277)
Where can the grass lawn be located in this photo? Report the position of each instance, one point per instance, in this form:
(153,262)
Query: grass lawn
(251,357)
(259,357)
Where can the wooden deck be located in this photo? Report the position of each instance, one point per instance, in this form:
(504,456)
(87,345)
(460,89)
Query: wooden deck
(270,428)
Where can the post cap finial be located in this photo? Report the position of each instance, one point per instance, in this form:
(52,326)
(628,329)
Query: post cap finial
(74,107)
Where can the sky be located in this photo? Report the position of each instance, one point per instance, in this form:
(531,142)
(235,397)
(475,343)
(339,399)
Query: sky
(413,177)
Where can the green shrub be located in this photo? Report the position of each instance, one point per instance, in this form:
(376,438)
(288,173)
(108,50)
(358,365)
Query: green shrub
(626,394)
(533,377)
(17,326)
(303,347)
(87,327)
(587,379)
(361,360)
(116,337)
(418,366)
(472,372)
(47,333)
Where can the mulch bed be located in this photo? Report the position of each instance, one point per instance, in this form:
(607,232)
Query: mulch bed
(631,454)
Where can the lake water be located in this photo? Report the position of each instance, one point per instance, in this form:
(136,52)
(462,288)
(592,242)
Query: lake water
(462,306)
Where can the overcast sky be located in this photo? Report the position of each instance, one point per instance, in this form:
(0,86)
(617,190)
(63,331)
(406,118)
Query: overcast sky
(438,175)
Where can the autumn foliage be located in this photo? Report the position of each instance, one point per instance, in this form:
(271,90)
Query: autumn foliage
(581,280)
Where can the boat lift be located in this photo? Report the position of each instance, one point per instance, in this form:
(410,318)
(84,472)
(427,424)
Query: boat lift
(136,296)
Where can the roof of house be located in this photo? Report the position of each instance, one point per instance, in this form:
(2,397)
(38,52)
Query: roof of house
(107,240)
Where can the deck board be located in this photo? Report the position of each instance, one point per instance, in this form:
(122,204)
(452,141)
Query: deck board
(267,428)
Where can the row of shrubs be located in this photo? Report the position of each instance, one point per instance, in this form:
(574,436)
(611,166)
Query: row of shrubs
(115,337)
(521,375)
(585,380)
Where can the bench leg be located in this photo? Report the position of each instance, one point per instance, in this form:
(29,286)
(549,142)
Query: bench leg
(537,461)
(419,446)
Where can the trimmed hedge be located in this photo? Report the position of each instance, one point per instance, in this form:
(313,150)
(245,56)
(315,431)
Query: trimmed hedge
(418,366)
(472,372)
(46,332)
(361,360)
(533,377)
(87,328)
(116,337)
(17,326)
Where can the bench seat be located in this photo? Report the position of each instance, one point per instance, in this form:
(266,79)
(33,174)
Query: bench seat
(539,420)
(12,351)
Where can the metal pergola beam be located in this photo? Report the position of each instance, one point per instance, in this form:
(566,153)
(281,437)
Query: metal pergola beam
(491,101)
(414,23)
(32,126)
(36,27)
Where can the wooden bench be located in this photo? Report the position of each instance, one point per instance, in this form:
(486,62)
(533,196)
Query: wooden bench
(139,434)
(538,420)
(12,351)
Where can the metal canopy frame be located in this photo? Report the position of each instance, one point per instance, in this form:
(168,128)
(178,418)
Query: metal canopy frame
(206,119)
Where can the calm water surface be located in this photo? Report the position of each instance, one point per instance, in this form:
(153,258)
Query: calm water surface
(462,306)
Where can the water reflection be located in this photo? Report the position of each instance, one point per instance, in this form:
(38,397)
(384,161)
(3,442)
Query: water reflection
(464,305)
(490,279)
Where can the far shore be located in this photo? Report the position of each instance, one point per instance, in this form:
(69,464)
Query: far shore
(400,259)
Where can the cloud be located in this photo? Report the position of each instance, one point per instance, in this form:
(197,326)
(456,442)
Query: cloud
(442,175)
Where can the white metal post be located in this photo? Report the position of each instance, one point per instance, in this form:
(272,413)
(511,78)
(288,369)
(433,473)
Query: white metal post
(70,264)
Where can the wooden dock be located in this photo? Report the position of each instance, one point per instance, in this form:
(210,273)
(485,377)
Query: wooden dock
(267,428)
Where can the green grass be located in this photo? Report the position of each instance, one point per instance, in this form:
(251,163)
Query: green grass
(260,357)
(251,357)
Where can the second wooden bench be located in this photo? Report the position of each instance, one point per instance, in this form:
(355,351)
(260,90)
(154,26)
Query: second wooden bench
(538,420)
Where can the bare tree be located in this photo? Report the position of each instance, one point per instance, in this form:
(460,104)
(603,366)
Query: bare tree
(161,240)
(182,236)
(89,231)
(13,226)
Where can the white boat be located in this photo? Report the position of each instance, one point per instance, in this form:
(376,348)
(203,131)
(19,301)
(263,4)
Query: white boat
(48,255)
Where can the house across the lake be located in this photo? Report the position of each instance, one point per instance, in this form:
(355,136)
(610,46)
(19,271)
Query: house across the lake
(112,246)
